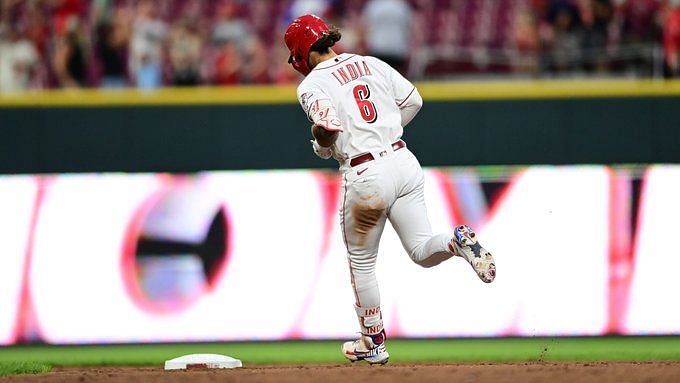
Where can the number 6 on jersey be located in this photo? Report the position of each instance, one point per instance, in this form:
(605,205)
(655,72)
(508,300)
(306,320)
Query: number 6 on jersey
(366,107)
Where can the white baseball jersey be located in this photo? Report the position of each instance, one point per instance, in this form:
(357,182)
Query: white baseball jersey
(366,94)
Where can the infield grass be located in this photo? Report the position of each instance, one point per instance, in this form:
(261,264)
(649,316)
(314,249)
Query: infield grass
(31,358)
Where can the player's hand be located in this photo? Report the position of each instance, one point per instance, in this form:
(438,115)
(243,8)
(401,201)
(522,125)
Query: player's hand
(324,137)
(320,151)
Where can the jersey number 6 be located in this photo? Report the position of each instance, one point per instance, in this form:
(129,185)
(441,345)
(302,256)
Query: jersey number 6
(366,107)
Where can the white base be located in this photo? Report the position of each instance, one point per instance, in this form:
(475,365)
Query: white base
(202,361)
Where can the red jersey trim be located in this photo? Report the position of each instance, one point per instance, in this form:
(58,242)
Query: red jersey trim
(407,97)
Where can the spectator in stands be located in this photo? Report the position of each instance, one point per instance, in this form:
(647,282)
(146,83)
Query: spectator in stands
(261,19)
(597,34)
(193,12)
(348,18)
(566,38)
(63,11)
(227,67)
(5,13)
(229,27)
(18,59)
(302,7)
(639,21)
(69,59)
(130,41)
(186,47)
(388,31)
(113,36)
(37,27)
(257,57)
(146,47)
(526,43)
(671,39)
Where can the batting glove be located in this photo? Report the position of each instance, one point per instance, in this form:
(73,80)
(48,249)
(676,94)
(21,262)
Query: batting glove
(320,151)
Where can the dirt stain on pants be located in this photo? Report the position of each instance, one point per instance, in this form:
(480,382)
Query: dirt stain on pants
(366,217)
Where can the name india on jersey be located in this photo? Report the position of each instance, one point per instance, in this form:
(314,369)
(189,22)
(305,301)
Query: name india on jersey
(351,72)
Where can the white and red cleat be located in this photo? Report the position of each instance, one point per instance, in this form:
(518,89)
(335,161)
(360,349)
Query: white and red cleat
(464,244)
(369,348)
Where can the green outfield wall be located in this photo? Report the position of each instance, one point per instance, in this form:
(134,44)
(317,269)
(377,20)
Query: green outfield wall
(186,130)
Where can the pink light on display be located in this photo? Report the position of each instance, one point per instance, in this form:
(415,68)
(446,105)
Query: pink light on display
(17,202)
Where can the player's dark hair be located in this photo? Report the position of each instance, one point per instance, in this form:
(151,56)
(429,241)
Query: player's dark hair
(327,41)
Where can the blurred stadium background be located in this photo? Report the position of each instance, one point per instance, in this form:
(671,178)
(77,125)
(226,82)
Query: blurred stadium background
(114,43)
(157,184)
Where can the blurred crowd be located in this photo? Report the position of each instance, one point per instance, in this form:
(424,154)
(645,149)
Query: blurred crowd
(149,44)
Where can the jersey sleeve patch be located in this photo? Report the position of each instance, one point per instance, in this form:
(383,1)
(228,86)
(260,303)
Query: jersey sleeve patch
(304,101)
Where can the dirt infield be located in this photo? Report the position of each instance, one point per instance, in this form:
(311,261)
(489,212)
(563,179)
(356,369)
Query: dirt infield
(468,373)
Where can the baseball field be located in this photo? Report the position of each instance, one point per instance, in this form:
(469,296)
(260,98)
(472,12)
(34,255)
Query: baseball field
(606,359)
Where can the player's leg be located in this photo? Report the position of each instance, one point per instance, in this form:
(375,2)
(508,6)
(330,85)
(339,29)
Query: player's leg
(408,215)
(363,216)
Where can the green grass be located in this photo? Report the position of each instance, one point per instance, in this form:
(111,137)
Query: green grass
(13,368)
(440,350)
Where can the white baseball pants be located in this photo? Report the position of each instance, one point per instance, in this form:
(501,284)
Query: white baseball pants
(389,187)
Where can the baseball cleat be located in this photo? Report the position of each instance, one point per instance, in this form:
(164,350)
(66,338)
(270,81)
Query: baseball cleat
(365,349)
(464,244)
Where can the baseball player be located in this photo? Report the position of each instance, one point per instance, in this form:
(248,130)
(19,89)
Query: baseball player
(359,107)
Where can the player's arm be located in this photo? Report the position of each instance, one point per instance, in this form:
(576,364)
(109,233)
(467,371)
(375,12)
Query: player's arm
(321,112)
(410,106)
(324,138)
(405,94)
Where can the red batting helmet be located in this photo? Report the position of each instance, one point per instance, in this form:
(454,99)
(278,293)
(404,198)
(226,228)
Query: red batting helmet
(301,34)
